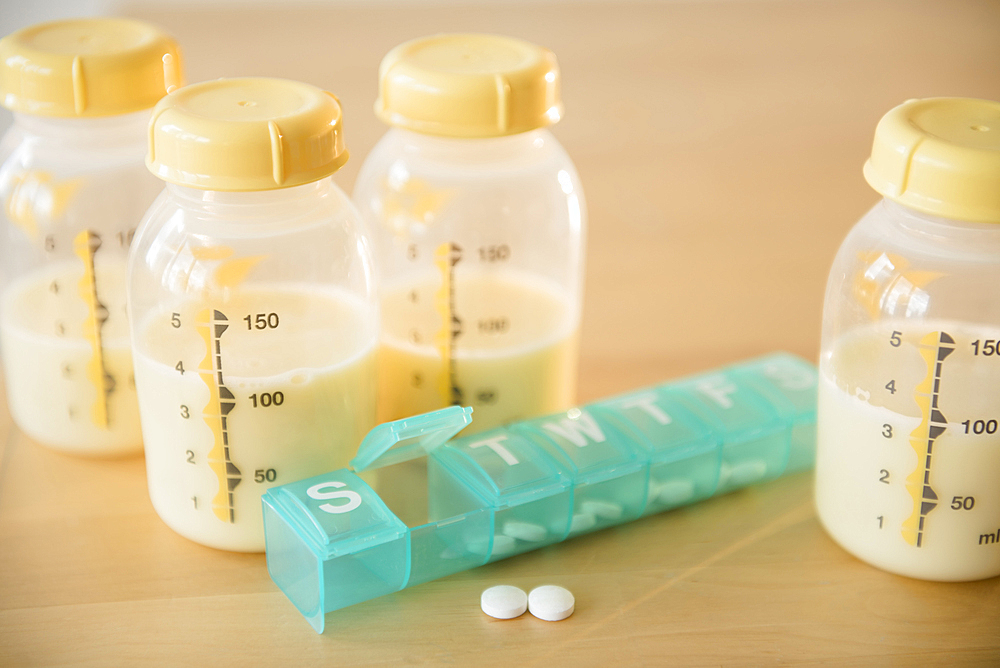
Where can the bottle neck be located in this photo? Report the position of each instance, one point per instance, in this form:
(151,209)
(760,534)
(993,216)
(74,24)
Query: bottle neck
(251,204)
(477,149)
(921,223)
(103,131)
(946,236)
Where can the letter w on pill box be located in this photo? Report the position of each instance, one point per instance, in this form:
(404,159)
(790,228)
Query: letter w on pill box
(332,541)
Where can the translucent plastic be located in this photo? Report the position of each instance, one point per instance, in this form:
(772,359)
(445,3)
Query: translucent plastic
(479,246)
(254,324)
(909,448)
(333,540)
(74,191)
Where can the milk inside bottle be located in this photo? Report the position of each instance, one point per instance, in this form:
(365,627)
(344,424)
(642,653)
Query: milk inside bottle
(478,223)
(74,188)
(908,449)
(254,318)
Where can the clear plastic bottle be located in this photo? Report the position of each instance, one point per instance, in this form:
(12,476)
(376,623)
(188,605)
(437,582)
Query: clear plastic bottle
(254,316)
(479,226)
(909,397)
(74,188)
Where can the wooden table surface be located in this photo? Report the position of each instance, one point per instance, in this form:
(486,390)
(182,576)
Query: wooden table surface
(720,146)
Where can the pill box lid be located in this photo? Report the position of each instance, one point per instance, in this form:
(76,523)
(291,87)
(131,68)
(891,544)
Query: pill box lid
(403,440)
(679,436)
(595,451)
(498,481)
(785,380)
(333,534)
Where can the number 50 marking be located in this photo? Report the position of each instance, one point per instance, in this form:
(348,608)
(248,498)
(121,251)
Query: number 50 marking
(316,492)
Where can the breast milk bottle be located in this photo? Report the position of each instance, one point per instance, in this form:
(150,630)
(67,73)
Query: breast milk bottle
(909,399)
(479,222)
(254,317)
(74,187)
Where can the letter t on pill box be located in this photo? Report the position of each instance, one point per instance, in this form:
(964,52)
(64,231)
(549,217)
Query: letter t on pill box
(332,541)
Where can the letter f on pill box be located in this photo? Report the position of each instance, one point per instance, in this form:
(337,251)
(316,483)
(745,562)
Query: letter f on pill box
(332,542)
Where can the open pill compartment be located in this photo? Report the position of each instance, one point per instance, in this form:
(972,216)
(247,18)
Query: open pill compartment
(333,541)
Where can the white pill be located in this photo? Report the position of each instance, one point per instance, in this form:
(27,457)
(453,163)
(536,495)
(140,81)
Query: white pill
(582,522)
(606,510)
(652,491)
(533,533)
(504,602)
(551,603)
(675,491)
(479,547)
(741,474)
(452,552)
(501,545)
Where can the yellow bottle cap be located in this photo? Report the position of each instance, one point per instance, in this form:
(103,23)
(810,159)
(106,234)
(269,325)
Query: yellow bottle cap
(469,85)
(246,134)
(87,68)
(940,156)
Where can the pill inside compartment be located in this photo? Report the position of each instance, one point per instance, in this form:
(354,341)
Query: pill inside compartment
(543,481)
(684,452)
(607,470)
(528,492)
(436,506)
(754,435)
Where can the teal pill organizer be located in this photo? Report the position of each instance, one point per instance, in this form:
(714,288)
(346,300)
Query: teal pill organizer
(332,541)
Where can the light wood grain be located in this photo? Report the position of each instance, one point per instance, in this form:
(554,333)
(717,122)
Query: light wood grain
(720,146)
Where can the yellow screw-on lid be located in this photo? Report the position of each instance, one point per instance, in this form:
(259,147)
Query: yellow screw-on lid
(940,156)
(469,86)
(246,134)
(87,68)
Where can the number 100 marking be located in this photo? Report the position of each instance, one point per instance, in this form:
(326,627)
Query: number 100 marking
(267,399)
(981,426)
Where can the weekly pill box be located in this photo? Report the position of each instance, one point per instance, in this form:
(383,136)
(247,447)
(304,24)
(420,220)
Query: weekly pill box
(332,541)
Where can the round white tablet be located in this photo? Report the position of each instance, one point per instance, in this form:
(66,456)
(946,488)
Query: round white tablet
(551,603)
(606,510)
(673,492)
(582,522)
(503,545)
(504,602)
(527,531)
(742,474)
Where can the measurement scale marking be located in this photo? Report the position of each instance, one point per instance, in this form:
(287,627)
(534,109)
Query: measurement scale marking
(85,245)
(446,256)
(212,325)
(934,348)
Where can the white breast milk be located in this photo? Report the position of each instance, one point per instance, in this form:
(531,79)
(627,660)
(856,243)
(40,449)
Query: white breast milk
(515,357)
(300,401)
(877,479)
(70,391)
